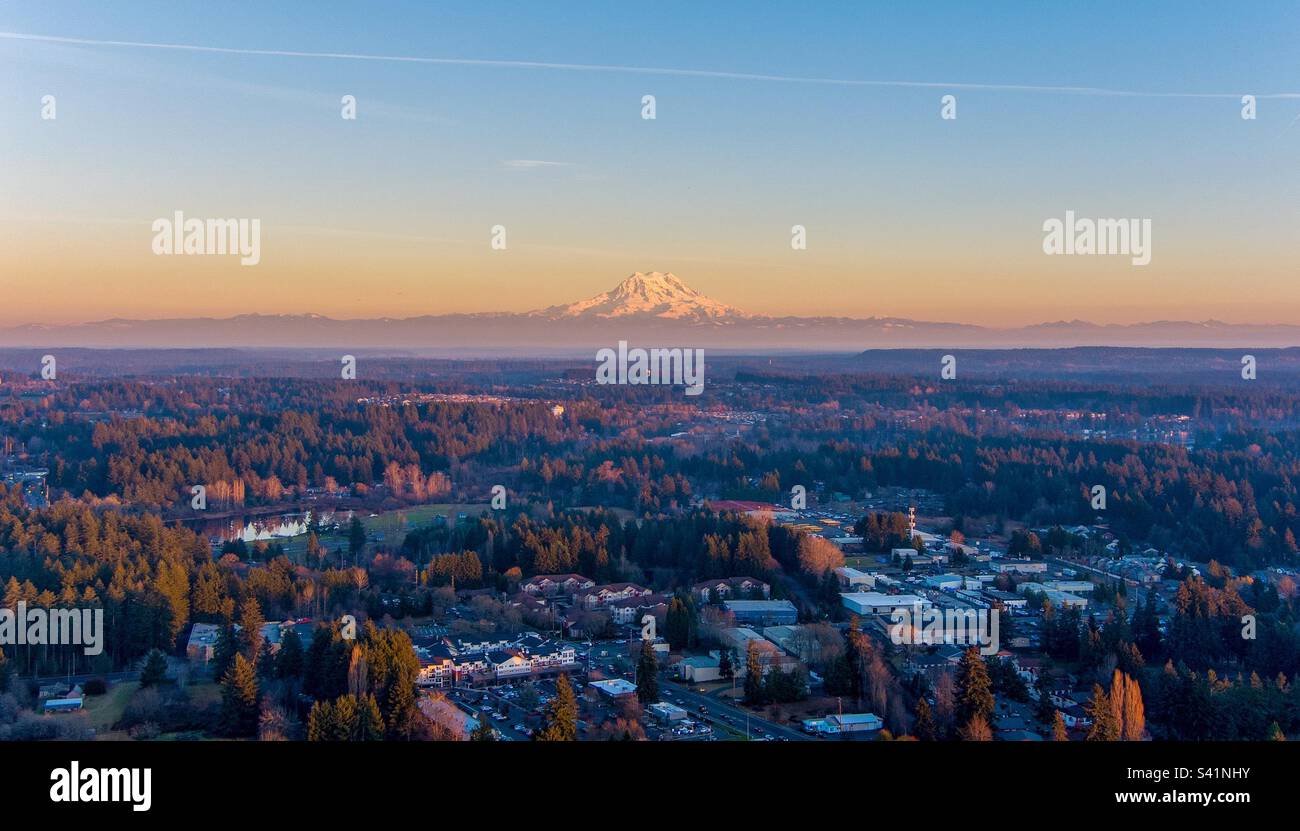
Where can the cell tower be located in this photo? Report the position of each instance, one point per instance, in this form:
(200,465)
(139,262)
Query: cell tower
(911,522)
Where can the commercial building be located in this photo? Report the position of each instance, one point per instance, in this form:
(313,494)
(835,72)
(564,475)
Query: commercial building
(613,689)
(763,612)
(699,669)
(874,603)
(666,712)
(852,578)
(1056,597)
(846,723)
(945,581)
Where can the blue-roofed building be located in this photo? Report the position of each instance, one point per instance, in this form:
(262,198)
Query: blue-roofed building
(763,612)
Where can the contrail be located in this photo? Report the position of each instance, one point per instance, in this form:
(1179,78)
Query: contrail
(638,70)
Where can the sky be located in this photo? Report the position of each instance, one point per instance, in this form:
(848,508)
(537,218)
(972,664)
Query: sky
(530,117)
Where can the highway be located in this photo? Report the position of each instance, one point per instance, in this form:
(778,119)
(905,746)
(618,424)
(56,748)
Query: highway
(721,713)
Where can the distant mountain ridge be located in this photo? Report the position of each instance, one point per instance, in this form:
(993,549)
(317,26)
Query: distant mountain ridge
(649,308)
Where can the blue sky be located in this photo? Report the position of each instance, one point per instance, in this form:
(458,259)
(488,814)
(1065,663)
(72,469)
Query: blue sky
(908,215)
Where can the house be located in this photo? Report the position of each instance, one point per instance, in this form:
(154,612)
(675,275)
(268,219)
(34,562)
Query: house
(635,608)
(530,604)
(1076,718)
(585,623)
(933,665)
(609,594)
(763,612)
(731,587)
(553,584)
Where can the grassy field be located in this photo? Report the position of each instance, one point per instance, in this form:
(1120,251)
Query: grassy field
(205,693)
(388,529)
(863,562)
(105,710)
(392,525)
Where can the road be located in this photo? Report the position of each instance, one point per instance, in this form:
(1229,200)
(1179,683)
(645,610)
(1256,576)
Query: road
(723,713)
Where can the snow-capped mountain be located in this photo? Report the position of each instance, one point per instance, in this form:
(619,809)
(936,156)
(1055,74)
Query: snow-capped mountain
(652,294)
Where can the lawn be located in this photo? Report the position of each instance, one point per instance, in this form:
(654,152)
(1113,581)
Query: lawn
(204,693)
(107,709)
(393,525)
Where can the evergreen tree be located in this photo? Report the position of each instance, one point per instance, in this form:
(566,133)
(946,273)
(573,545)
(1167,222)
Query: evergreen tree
(1045,710)
(250,629)
(974,689)
(239,705)
(356,538)
(155,669)
(321,724)
(223,652)
(925,728)
(369,724)
(1105,727)
(679,623)
(753,675)
(561,715)
(403,715)
(647,675)
(6,672)
(727,664)
(857,659)
(290,661)
(344,725)
(483,732)
(1058,728)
